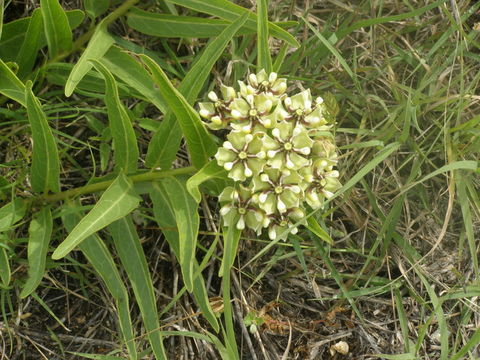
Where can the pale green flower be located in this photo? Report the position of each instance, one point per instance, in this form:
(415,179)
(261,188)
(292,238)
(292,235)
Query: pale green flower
(242,211)
(276,191)
(293,145)
(242,155)
(280,151)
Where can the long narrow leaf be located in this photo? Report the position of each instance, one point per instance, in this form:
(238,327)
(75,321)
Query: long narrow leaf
(125,149)
(199,141)
(14,33)
(5,272)
(188,221)
(127,69)
(229,11)
(133,259)
(45,172)
(165,218)
(264,60)
(57,28)
(99,44)
(210,171)
(172,26)
(116,202)
(100,258)
(11,213)
(40,232)
(10,85)
(29,51)
(164,145)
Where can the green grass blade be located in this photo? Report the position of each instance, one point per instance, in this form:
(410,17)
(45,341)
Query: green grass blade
(165,218)
(471,344)
(11,213)
(125,149)
(381,20)
(40,232)
(264,60)
(127,69)
(172,26)
(210,171)
(336,275)
(227,10)
(56,26)
(116,202)
(134,262)
(200,144)
(440,315)
(45,171)
(164,145)
(330,47)
(188,222)
(10,85)
(381,156)
(456,165)
(467,220)
(102,261)
(29,50)
(99,44)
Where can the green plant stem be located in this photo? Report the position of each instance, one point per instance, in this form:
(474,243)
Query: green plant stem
(91,188)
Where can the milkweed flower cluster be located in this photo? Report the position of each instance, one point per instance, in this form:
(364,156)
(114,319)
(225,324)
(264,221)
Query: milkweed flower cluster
(279,151)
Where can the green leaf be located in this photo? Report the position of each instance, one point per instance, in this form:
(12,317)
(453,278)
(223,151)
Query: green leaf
(29,50)
(264,60)
(133,259)
(164,145)
(12,213)
(5,272)
(100,258)
(210,171)
(10,85)
(116,202)
(15,31)
(315,228)
(127,69)
(95,8)
(99,44)
(227,10)
(124,140)
(188,221)
(173,26)
(57,28)
(199,142)
(165,218)
(45,171)
(39,232)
